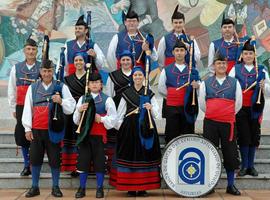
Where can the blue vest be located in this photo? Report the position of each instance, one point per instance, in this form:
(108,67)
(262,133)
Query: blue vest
(72,48)
(175,78)
(245,77)
(22,71)
(227,50)
(100,102)
(125,43)
(170,40)
(215,90)
(41,96)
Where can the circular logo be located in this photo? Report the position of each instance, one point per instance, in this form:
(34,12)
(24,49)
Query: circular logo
(191,165)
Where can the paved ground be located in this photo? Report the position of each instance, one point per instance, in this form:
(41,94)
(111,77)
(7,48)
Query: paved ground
(111,194)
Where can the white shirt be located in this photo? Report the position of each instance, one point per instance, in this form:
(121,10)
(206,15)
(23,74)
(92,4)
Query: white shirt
(122,109)
(12,89)
(266,81)
(162,88)
(211,55)
(238,95)
(162,48)
(68,105)
(108,120)
(110,85)
(111,54)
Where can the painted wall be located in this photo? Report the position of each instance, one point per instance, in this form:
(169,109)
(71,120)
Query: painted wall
(18,18)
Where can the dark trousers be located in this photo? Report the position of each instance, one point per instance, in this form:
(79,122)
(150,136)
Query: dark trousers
(248,130)
(176,123)
(219,132)
(19,135)
(42,144)
(91,148)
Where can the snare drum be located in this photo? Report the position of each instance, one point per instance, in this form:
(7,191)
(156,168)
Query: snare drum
(191,165)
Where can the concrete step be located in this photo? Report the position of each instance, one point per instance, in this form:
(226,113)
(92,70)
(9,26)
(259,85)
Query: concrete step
(13,180)
(7,137)
(12,165)
(10,151)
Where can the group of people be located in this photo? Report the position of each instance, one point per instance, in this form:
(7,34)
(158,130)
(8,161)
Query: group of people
(123,116)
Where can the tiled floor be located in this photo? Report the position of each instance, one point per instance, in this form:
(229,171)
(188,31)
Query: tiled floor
(18,194)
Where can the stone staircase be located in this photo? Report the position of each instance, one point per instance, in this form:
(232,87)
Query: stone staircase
(11,164)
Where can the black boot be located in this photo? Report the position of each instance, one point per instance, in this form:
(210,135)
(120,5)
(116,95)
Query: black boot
(26,171)
(56,192)
(243,172)
(252,171)
(80,193)
(233,190)
(32,192)
(100,193)
(142,193)
(131,193)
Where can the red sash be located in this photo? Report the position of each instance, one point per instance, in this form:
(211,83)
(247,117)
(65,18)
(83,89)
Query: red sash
(40,117)
(21,93)
(71,69)
(230,64)
(168,61)
(247,98)
(221,110)
(99,129)
(175,97)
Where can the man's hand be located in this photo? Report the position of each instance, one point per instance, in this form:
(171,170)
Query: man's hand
(92,53)
(83,107)
(29,135)
(145,46)
(195,84)
(57,99)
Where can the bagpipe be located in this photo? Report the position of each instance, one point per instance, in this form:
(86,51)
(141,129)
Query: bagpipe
(191,107)
(90,44)
(56,114)
(146,125)
(257,99)
(149,39)
(88,116)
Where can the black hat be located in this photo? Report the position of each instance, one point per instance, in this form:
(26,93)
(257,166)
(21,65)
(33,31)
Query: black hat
(226,20)
(81,22)
(95,76)
(30,41)
(218,56)
(177,14)
(247,46)
(179,44)
(47,64)
(131,14)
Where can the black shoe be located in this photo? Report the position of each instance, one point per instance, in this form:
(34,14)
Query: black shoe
(131,193)
(56,192)
(252,171)
(26,171)
(80,193)
(233,190)
(32,192)
(142,193)
(243,172)
(100,193)
(74,174)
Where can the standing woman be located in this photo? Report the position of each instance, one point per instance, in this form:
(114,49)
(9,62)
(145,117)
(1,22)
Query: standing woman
(76,84)
(138,151)
(118,81)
